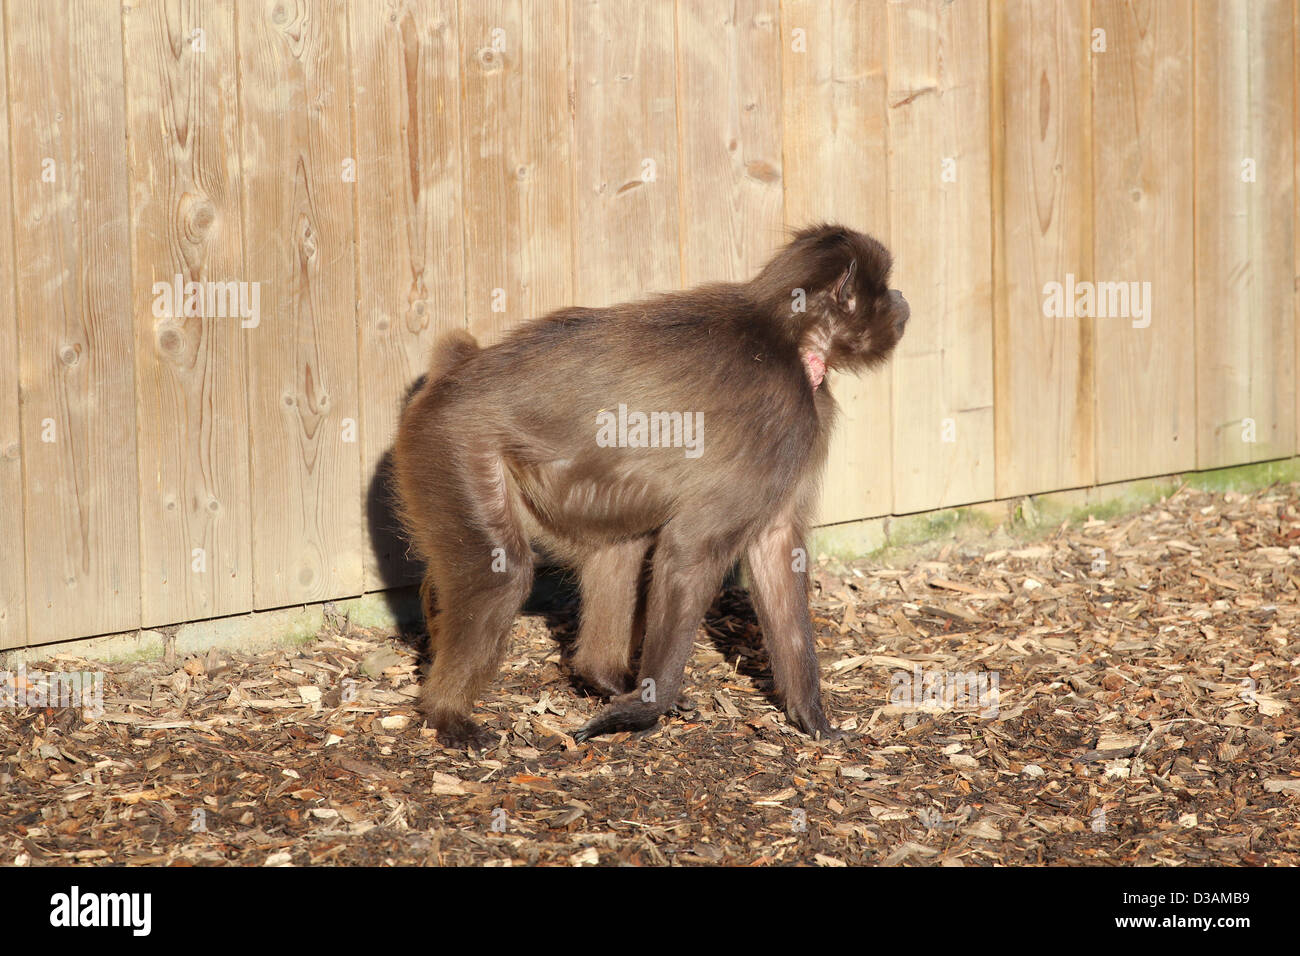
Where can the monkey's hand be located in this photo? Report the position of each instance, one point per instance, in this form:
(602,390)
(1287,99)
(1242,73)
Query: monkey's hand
(627,712)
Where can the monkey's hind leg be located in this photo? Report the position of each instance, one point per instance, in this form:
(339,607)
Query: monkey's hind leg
(482,569)
(609,633)
(468,640)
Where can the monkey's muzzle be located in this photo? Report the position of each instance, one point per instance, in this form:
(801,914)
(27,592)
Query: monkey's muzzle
(901,310)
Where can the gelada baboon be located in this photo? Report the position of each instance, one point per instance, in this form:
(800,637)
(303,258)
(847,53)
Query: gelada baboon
(676,433)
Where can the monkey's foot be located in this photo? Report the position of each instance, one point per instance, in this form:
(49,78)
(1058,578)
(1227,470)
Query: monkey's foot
(621,714)
(829,734)
(813,722)
(461,733)
(611,684)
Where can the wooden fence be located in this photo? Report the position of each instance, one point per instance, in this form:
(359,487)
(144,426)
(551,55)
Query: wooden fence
(378,172)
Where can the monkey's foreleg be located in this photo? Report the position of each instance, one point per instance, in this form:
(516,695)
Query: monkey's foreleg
(778,570)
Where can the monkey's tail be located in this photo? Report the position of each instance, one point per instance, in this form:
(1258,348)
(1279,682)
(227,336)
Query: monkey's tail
(450,351)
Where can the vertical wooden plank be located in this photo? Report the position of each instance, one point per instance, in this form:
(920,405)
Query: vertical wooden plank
(1142,143)
(1245,250)
(76,367)
(306,467)
(1042,202)
(516,142)
(195,557)
(13,584)
(405,72)
(836,158)
(625,164)
(729,116)
(940,208)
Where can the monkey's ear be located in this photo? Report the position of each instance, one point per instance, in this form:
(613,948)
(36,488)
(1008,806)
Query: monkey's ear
(844,296)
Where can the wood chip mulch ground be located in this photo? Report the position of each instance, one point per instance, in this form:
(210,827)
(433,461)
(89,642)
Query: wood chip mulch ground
(1117,692)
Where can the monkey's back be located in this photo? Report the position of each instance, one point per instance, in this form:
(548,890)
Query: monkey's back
(613,420)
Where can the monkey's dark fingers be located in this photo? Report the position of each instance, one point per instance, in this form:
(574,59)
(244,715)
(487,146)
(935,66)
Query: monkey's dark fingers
(617,718)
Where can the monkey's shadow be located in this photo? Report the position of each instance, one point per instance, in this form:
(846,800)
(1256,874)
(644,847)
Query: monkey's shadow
(730,623)
(399,570)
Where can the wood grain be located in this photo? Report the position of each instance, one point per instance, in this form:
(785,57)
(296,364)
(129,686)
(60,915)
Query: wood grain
(1245,250)
(625,237)
(76,369)
(298,227)
(940,220)
(836,168)
(381,168)
(1042,202)
(191,387)
(411,273)
(516,147)
(729,116)
(13,563)
(1141,142)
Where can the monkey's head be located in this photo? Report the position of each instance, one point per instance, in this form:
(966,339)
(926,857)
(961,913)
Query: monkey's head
(833,282)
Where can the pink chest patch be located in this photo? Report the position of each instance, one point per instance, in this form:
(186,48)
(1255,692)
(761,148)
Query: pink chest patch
(815,366)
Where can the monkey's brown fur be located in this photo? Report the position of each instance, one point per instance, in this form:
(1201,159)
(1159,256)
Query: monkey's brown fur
(498,452)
